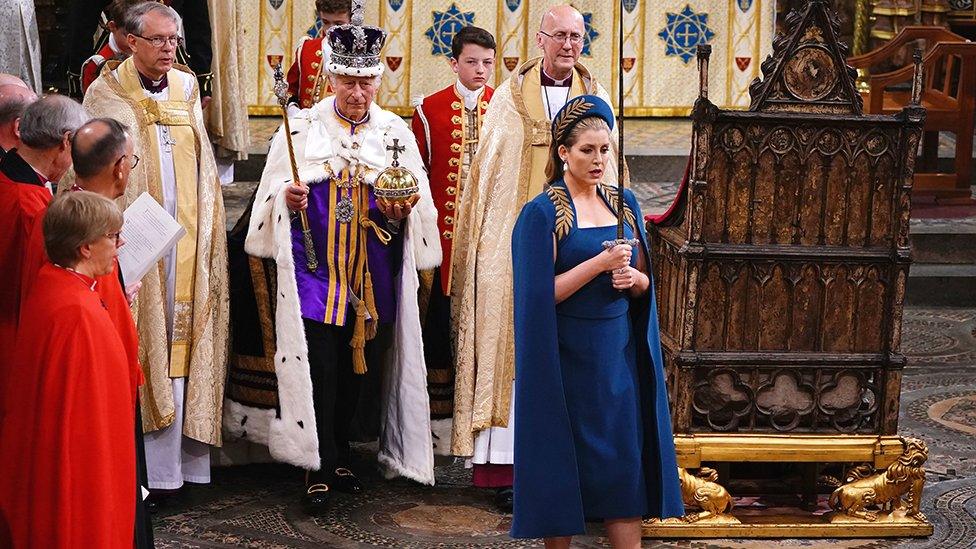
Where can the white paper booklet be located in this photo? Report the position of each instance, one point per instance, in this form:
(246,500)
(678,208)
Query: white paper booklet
(150,233)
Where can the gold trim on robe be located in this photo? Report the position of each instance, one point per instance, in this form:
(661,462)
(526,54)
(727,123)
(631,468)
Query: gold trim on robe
(508,170)
(174,113)
(207,327)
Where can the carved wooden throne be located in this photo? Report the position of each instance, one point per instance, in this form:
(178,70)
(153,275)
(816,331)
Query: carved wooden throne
(781,274)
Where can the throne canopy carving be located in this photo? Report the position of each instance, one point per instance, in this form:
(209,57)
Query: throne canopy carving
(807,71)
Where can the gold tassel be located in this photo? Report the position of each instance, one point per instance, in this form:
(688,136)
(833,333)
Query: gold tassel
(370,301)
(358,342)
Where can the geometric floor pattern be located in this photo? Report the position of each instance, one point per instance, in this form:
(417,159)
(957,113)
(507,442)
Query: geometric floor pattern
(256,506)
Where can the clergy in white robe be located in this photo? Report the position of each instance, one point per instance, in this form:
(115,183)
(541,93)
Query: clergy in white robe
(507,171)
(181,310)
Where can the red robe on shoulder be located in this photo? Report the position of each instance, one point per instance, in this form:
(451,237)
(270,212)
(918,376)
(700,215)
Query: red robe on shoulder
(109,289)
(66,424)
(21,206)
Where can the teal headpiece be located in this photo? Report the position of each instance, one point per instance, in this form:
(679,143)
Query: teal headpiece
(575,110)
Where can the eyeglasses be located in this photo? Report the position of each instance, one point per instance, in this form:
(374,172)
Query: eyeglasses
(158,41)
(135,160)
(114,236)
(561,37)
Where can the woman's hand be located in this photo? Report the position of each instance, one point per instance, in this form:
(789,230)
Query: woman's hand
(625,278)
(631,280)
(615,258)
(296,197)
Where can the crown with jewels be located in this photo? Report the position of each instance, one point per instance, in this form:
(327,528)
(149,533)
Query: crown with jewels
(356,47)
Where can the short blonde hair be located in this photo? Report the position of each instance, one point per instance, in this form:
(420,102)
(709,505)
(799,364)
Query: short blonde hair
(74,219)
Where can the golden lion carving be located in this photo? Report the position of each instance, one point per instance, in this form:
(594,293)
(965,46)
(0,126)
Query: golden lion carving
(704,492)
(902,479)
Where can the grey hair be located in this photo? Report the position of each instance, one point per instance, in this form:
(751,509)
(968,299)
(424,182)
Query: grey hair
(132,21)
(46,120)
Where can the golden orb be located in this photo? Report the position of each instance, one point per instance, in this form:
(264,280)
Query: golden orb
(396,185)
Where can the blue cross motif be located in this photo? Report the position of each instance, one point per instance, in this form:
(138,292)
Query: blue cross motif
(684,32)
(590,35)
(445,26)
(316,29)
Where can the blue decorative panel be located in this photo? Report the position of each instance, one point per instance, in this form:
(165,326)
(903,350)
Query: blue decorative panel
(314,30)
(395,5)
(744,5)
(629,5)
(445,26)
(684,32)
(513,5)
(591,33)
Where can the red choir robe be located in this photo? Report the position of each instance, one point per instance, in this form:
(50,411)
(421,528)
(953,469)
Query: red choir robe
(67,422)
(109,289)
(21,206)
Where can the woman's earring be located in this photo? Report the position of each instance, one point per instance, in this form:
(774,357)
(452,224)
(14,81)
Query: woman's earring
(565,167)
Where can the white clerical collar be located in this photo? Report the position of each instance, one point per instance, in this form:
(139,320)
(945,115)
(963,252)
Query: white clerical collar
(113,44)
(470,96)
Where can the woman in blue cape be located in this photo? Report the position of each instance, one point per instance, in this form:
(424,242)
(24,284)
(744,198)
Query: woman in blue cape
(593,438)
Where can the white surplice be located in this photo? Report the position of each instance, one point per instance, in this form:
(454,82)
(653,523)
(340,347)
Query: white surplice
(171,457)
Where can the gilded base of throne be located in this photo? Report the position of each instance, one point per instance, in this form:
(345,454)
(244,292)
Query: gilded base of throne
(784,526)
(897,485)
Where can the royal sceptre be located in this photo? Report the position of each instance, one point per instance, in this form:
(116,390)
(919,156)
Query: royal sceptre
(281,92)
(621,237)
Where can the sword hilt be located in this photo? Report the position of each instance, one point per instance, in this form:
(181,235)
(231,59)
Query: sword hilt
(633,242)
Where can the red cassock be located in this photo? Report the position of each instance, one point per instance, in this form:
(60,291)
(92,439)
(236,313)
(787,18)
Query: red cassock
(439,124)
(67,420)
(307,74)
(21,206)
(109,289)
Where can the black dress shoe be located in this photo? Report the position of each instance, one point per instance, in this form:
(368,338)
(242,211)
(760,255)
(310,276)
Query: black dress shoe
(345,481)
(316,499)
(504,500)
(158,498)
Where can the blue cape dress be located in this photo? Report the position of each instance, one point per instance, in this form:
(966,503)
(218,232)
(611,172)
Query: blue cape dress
(548,500)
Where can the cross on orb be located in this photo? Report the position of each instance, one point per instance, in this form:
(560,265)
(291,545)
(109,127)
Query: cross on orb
(397,148)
